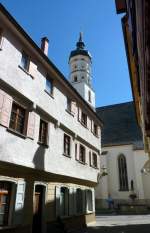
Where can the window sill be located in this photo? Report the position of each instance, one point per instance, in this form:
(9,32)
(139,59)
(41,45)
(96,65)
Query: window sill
(94,167)
(16,133)
(96,135)
(42,144)
(68,156)
(27,72)
(71,113)
(83,163)
(51,95)
(85,126)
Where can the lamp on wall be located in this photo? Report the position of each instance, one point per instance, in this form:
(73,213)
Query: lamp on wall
(102,173)
(146,168)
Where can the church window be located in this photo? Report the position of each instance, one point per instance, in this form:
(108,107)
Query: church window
(82,154)
(89,96)
(49,86)
(75,79)
(43,132)
(66,145)
(123,177)
(25,61)
(17,118)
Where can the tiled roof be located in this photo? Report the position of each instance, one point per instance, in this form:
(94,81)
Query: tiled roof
(120,125)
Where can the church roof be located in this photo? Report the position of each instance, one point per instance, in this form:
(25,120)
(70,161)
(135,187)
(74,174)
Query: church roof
(120,125)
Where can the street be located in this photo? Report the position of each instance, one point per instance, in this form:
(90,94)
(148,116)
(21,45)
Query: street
(121,224)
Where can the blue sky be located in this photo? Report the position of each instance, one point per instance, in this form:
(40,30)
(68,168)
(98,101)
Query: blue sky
(62,20)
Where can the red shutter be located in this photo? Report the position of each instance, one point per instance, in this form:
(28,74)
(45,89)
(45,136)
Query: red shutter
(33,69)
(31,125)
(5,108)
(73,107)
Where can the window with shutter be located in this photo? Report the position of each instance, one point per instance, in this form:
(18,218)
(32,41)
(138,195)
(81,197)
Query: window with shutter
(49,86)
(43,132)
(25,61)
(19,204)
(5,108)
(94,158)
(5,196)
(82,154)
(67,145)
(17,118)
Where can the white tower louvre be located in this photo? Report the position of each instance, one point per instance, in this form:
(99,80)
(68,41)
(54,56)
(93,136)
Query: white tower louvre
(80,72)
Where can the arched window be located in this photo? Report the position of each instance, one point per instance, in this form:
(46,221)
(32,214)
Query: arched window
(75,79)
(123,176)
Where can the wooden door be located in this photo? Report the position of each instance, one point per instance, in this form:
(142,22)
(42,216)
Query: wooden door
(37,209)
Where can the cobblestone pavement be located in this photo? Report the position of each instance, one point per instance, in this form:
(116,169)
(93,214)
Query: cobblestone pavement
(121,224)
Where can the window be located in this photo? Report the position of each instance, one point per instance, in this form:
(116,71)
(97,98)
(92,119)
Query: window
(89,96)
(25,61)
(43,132)
(95,130)
(64,201)
(94,160)
(89,200)
(66,145)
(5,194)
(76,150)
(79,201)
(84,119)
(69,104)
(17,119)
(49,86)
(82,77)
(82,154)
(75,79)
(123,177)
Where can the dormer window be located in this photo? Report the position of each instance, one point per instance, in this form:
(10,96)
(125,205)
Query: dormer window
(75,79)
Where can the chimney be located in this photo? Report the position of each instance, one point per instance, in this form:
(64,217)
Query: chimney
(44,45)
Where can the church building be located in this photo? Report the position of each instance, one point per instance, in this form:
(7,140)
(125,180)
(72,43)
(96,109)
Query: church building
(122,159)
(50,135)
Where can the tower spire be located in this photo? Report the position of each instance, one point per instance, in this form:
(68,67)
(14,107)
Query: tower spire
(80,44)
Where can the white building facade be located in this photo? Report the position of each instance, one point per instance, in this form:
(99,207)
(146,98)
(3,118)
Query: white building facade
(49,138)
(123,159)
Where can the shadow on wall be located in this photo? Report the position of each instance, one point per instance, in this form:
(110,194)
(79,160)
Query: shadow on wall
(39,158)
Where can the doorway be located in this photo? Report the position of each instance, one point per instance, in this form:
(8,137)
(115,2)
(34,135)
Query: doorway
(38,208)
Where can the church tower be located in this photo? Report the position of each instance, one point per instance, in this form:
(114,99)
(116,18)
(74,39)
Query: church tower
(80,72)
